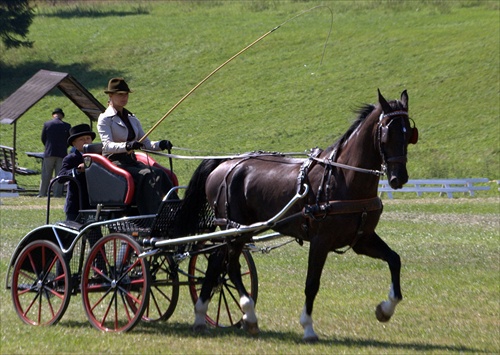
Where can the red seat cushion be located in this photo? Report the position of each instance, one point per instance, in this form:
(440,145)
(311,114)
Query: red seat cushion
(146,159)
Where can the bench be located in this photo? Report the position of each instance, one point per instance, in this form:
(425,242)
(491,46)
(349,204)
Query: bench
(8,162)
(442,186)
(8,189)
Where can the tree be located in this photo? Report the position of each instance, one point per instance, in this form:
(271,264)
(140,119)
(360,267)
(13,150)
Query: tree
(16,17)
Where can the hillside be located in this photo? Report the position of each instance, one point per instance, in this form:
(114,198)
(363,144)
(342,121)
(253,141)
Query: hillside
(284,93)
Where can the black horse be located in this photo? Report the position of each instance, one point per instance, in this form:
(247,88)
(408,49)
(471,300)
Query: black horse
(340,208)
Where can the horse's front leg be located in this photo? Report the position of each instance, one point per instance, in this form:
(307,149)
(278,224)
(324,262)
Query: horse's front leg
(375,247)
(247,305)
(316,261)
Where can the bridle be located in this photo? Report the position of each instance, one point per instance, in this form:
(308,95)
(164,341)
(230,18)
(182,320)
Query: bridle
(383,136)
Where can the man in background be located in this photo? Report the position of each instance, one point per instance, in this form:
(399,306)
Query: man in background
(55,134)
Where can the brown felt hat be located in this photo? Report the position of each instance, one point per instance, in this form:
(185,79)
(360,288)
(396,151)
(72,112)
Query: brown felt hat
(117,85)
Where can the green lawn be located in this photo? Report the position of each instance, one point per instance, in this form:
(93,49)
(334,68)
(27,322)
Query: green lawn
(449,251)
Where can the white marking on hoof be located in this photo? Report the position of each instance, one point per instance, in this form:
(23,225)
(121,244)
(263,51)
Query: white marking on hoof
(200,311)
(248,306)
(307,323)
(386,309)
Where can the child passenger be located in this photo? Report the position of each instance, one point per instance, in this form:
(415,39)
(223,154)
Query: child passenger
(72,165)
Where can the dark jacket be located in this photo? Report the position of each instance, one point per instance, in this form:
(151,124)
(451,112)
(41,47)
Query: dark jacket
(69,165)
(55,134)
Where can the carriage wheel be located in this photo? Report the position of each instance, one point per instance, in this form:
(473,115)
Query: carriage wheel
(41,283)
(164,290)
(225,298)
(115,284)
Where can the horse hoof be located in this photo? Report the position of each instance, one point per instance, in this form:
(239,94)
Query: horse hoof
(251,328)
(381,316)
(200,328)
(311,339)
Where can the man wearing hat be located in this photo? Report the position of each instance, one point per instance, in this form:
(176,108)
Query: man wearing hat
(72,165)
(120,132)
(54,135)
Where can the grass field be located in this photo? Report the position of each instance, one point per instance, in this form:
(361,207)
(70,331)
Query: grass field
(449,250)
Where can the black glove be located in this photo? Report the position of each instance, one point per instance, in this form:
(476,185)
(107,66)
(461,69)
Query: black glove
(165,144)
(133,145)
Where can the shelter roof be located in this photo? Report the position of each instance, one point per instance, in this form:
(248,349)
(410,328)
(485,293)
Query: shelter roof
(38,86)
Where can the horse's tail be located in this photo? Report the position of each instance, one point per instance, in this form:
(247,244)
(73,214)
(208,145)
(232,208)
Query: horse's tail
(187,219)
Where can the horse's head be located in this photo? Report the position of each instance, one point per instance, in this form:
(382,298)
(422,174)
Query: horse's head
(395,131)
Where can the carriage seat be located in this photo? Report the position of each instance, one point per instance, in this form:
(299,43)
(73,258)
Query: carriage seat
(107,184)
(110,185)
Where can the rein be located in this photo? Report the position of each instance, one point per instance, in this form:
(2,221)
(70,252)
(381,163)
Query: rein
(348,167)
(255,154)
(222,157)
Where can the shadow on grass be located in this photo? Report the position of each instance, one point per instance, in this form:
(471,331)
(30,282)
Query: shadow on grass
(15,76)
(92,11)
(179,329)
(398,346)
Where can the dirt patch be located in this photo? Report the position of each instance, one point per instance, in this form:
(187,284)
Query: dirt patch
(483,220)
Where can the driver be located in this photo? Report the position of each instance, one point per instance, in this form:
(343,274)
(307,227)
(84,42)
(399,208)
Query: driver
(120,131)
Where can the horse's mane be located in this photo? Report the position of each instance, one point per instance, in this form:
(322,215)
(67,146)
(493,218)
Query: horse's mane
(362,112)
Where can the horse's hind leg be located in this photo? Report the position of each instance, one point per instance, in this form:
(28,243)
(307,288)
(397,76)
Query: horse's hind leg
(214,269)
(375,247)
(247,304)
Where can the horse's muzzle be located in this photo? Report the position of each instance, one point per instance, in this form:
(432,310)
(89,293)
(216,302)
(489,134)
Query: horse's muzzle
(397,176)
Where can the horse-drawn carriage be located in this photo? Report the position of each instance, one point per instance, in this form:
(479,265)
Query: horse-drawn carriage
(104,256)
(129,267)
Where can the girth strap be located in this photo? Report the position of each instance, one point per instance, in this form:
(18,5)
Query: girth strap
(341,207)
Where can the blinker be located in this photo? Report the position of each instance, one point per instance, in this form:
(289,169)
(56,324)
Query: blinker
(414,136)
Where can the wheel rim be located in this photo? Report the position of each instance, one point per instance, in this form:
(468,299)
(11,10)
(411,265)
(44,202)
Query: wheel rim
(41,284)
(224,309)
(115,284)
(164,290)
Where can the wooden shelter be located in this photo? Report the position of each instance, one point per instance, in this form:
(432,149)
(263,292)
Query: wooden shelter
(36,88)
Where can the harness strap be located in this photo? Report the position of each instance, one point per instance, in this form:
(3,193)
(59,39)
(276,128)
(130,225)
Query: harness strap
(223,187)
(341,207)
(358,235)
(306,166)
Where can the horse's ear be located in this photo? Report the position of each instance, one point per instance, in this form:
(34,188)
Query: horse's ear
(383,102)
(404,100)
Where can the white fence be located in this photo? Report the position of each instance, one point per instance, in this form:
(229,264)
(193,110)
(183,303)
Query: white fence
(441,186)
